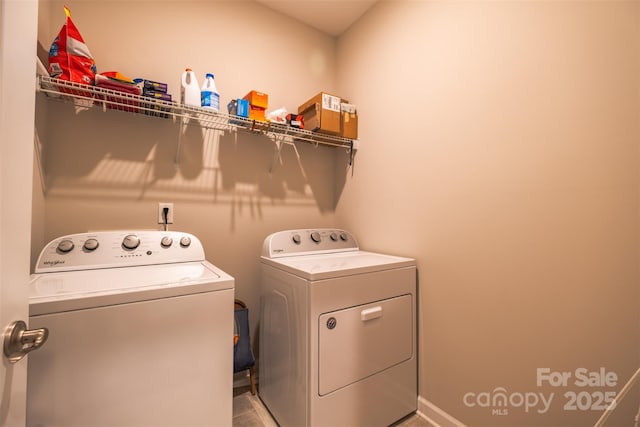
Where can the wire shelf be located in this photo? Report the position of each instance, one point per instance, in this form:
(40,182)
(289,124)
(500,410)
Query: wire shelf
(98,97)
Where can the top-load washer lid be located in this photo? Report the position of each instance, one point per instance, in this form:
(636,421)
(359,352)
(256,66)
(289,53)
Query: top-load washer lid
(76,290)
(84,271)
(323,254)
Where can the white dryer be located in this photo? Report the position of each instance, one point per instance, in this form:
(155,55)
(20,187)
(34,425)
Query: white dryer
(337,331)
(140,333)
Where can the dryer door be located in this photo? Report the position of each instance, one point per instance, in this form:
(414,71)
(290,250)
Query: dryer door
(357,342)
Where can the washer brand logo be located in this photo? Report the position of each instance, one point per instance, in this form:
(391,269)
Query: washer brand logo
(54,262)
(277,251)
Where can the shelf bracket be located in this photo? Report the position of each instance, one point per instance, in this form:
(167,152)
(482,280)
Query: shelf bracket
(181,126)
(351,152)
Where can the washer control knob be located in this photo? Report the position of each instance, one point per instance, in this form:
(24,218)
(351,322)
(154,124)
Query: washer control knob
(344,237)
(315,236)
(90,244)
(334,237)
(65,246)
(131,241)
(296,239)
(166,242)
(185,242)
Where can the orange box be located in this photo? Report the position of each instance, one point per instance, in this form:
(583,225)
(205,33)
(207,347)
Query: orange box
(257,113)
(257,99)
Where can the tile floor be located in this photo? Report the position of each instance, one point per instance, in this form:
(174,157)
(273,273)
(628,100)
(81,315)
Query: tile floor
(248,411)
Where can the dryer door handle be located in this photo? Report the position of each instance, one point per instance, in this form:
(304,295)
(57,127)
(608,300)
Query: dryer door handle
(371,313)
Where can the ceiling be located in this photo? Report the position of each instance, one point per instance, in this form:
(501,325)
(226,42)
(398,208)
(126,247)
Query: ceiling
(332,17)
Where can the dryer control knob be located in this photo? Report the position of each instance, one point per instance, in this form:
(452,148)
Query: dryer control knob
(344,237)
(185,242)
(166,242)
(65,246)
(91,244)
(131,241)
(315,236)
(296,239)
(333,236)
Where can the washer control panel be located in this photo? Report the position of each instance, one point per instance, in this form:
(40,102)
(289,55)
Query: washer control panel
(308,242)
(108,249)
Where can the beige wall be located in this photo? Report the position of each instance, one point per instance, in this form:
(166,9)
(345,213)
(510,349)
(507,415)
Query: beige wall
(500,147)
(109,170)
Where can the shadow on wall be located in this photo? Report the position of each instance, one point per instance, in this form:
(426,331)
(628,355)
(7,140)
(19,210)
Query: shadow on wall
(345,167)
(92,153)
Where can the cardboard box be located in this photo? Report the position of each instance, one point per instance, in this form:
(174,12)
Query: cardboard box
(119,101)
(257,113)
(154,86)
(348,121)
(157,109)
(322,113)
(295,120)
(257,99)
(238,107)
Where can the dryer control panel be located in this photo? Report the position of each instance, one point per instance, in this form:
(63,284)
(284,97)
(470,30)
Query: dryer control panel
(108,249)
(308,242)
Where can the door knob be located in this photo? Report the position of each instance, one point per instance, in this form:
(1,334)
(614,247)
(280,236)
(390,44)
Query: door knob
(18,340)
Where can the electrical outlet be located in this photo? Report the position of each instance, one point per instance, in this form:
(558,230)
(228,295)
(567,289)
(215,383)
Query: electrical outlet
(161,208)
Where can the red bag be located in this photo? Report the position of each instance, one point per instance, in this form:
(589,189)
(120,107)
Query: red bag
(69,56)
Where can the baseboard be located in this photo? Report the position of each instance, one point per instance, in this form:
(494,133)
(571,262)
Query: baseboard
(436,416)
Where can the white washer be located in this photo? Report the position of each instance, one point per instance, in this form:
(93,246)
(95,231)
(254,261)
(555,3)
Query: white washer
(140,333)
(337,332)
